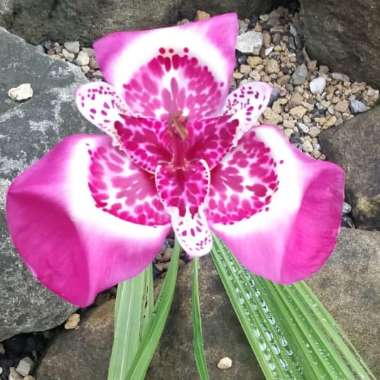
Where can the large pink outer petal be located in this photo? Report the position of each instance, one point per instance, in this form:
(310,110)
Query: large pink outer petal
(74,248)
(298,233)
(122,55)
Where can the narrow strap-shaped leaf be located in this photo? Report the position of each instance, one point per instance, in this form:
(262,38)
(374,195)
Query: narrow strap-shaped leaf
(264,335)
(198,344)
(308,343)
(155,327)
(129,312)
(148,301)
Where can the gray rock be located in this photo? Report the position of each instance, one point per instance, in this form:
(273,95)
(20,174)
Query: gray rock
(356,106)
(222,333)
(65,20)
(345,36)
(27,131)
(348,287)
(250,42)
(300,74)
(90,346)
(355,146)
(81,354)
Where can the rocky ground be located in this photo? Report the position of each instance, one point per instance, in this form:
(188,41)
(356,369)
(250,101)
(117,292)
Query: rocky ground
(317,108)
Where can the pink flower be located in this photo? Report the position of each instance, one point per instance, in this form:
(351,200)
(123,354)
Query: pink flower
(180,154)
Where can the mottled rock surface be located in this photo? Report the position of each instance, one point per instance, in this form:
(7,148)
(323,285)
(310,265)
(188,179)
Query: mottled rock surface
(27,130)
(222,334)
(355,146)
(345,36)
(349,288)
(65,20)
(81,354)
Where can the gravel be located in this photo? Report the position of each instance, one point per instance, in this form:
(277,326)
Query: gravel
(25,366)
(309,97)
(250,42)
(72,46)
(300,74)
(317,85)
(356,106)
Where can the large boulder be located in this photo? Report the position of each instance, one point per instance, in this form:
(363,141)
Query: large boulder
(91,343)
(222,333)
(86,20)
(84,353)
(346,285)
(345,36)
(355,146)
(27,131)
(349,287)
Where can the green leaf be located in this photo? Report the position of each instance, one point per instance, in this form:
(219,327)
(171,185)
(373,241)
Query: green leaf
(292,335)
(198,345)
(154,328)
(133,300)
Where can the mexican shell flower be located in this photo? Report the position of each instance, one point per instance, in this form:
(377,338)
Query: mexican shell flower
(178,153)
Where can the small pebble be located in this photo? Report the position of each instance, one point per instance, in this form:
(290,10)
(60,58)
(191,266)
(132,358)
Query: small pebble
(22,92)
(346,208)
(342,106)
(13,375)
(225,363)
(317,85)
(72,46)
(68,55)
(2,349)
(254,61)
(1,370)
(250,42)
(356,106)
(314,131)
(25,366)
(300,74)
(72,322)
(272,66)
(201,15)
(340,77)
(307,146)
(298,112)
(82,59)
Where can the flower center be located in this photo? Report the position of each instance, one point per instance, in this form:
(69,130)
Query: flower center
(179,134)
(178,125)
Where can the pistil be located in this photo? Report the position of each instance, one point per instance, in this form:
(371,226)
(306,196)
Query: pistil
(179,135)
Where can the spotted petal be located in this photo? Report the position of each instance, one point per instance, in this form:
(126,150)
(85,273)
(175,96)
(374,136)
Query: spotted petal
(101,105)
(76,235)
(184,192)
(277,209)
(181,68)
(247,103)
(145,140)
(211,138)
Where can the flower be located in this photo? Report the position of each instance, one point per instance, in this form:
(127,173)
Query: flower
(178,152)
